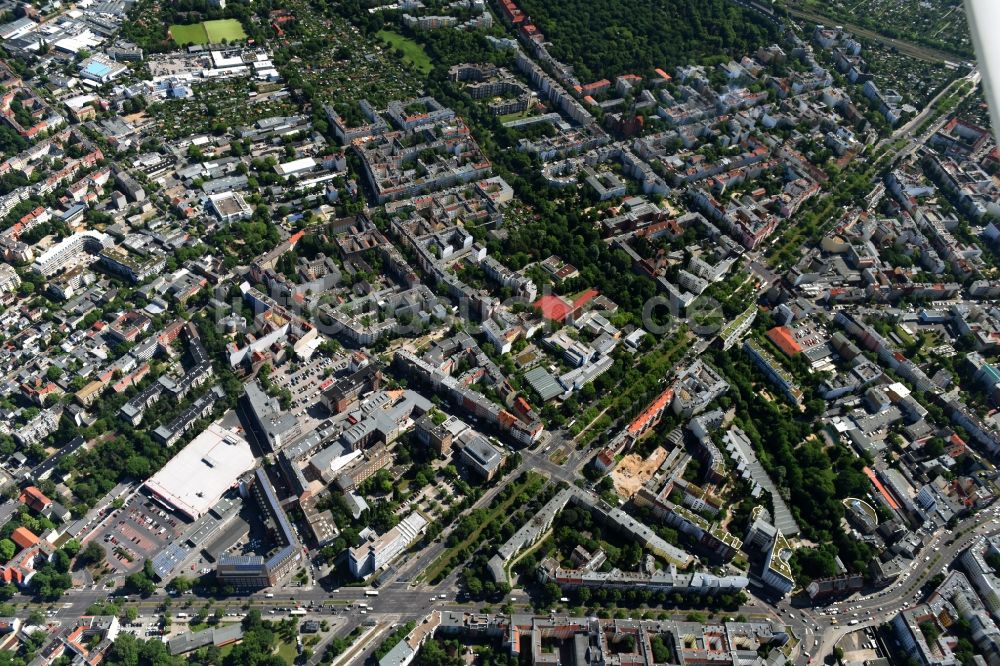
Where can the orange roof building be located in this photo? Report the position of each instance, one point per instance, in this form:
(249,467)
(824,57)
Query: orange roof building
(522,406)
(886,495)
(35,499)
(91,638)
(956,446)
(506,419)
(783,337)
(652,414)
(24,537)
(605,460)
(595,87)
(12,575)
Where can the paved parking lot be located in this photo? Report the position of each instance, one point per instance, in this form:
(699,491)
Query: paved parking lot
(136,532)
(306,384)
(178,65)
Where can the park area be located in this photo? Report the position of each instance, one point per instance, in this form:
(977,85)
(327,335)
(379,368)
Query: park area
(207,32)
(413,53)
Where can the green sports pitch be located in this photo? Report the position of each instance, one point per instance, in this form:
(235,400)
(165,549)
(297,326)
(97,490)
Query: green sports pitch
(207,32)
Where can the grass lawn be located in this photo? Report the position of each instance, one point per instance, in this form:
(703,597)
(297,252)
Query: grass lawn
(413,53)
(189,34)
(208,32)
(288,652)
(506,118)
(229,29)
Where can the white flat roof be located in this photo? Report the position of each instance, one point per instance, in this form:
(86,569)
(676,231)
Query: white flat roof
(899,389)
(220,60)
(195,479)
(295,166)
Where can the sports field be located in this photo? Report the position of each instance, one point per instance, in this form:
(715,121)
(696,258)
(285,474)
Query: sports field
(208,32)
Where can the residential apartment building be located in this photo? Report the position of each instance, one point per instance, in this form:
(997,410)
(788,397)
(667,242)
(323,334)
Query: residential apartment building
(378,550)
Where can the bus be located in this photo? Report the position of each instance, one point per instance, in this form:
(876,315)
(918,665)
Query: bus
(371,593)
(297,611)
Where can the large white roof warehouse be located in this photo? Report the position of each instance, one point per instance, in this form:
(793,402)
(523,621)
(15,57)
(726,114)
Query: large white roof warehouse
(194,480)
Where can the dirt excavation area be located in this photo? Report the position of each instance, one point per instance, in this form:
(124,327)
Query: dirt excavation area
(633,471)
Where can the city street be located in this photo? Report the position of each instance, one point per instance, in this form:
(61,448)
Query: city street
(879,607)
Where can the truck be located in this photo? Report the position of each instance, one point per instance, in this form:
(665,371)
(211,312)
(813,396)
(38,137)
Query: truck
(269,595)
(181,616)
(371,593)
(853,622)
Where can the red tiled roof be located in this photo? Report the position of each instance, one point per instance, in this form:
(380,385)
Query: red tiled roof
(35,498)
(596,85)
(653,411)
(24,537)
(12,575)
(783,337)
(890,500)
(522,405)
